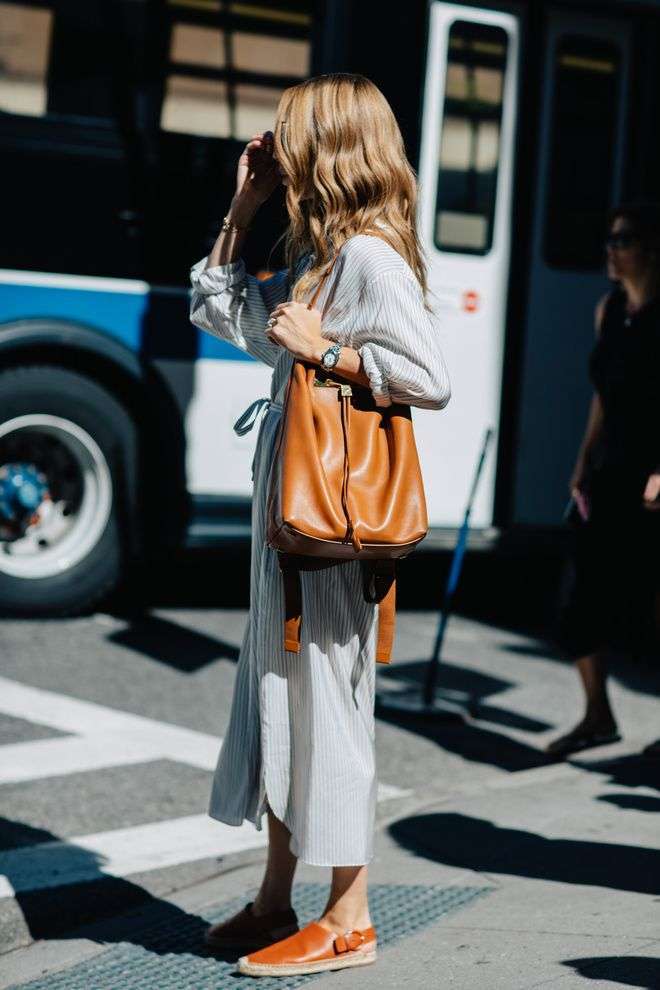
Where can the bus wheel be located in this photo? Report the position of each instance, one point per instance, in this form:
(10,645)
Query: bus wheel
(67,456)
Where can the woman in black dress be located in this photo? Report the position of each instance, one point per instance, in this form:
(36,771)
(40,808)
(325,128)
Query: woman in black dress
(616,482)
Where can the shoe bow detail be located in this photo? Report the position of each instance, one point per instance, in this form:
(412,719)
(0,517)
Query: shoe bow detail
(348,942)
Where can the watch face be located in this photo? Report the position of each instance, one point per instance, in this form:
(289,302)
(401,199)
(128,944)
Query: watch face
(329,359)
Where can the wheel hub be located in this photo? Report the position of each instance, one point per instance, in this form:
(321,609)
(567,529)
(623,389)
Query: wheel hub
(55,495)
(23,491)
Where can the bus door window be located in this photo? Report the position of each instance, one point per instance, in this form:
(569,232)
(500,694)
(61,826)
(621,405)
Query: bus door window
(578,171)
(25,36)
(582,150)
(470,138)
(224,68)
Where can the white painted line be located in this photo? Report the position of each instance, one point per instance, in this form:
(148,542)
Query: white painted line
(58,757)
(127,286)
(122,851)
(105,737)
(386,792)
(76,754)
(145,736)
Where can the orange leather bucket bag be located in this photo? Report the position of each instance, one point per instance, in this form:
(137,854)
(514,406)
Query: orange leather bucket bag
(345,485)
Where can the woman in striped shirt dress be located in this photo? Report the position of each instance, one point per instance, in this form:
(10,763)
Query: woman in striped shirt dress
(300,740)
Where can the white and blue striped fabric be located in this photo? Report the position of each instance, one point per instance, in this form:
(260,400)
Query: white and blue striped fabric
(301,730)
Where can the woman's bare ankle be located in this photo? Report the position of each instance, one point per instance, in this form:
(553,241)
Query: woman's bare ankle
(345,921)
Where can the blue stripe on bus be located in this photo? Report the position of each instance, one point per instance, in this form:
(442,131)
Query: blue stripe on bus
(128,317)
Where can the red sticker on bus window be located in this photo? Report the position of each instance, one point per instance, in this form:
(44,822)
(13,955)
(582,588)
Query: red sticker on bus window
(470,301)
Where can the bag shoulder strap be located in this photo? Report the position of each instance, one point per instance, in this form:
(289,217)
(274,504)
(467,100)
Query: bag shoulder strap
(379,585)
(312,303)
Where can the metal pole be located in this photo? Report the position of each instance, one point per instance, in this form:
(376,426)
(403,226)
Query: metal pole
(453,578)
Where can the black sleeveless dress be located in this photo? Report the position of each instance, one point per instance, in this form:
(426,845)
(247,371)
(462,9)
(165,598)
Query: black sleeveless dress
(615,560)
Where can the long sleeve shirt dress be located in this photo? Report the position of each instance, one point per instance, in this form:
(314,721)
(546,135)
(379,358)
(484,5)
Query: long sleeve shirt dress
(301,728)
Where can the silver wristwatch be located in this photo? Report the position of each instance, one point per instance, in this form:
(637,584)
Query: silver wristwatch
(330,357)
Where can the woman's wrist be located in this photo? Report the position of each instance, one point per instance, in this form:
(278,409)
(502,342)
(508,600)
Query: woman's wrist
(349,363)
(243,209)
(238,218)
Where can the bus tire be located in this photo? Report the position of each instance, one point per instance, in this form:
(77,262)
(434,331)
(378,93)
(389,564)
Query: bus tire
(83,444)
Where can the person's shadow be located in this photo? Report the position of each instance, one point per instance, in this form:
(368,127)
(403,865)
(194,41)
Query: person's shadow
(476,844)
(93,904)
(627,971)
(629,771)
(474,742)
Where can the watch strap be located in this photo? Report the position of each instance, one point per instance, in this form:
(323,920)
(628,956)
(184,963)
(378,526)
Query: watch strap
(333,349)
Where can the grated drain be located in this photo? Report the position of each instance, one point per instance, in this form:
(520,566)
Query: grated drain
(168,953)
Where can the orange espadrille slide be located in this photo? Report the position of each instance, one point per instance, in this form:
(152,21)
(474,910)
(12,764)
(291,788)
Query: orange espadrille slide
(313,949)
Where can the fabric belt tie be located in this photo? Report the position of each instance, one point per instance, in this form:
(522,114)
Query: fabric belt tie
(247,419)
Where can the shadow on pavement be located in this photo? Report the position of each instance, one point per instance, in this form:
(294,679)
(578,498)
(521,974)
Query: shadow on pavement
(472,742)
(632,802)
(60,911)
(467,687)
(170,643)
(627,971)
(476,844)
(629,771)
(640,674)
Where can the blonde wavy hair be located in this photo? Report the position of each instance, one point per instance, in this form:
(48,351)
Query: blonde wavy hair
(339,144)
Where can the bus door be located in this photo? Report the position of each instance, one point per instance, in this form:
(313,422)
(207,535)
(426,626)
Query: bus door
(466,175)
(579,172)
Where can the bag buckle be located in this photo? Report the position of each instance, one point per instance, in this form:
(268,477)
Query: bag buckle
(344,388)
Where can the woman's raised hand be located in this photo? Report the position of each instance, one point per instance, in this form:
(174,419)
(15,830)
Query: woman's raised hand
(652,492)
(257,174)
(577,484)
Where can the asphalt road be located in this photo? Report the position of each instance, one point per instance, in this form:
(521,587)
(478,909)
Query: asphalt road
(110,725)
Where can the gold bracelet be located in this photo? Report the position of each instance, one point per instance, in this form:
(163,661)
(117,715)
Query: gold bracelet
(228,224)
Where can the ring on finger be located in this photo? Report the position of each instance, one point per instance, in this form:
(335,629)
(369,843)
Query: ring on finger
(272,321)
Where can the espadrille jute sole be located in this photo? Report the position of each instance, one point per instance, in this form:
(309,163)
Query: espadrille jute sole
(358,958)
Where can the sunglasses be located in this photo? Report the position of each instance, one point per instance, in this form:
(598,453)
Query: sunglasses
(621,240)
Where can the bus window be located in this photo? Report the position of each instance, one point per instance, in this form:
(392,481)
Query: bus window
(227,82)
(581,170)
(470,137)
(144,102)
(63,60)
(25,34)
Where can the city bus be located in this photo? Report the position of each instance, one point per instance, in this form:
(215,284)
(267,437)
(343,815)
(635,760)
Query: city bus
(120,128)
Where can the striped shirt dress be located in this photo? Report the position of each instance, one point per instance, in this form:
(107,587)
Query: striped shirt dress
(301,728)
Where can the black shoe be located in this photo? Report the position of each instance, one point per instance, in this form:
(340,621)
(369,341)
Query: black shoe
(246,930)
(581,738)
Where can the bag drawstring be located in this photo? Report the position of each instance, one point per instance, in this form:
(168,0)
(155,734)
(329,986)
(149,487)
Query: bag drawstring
(351,533)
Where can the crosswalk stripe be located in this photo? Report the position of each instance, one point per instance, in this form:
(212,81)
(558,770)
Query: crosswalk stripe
(100,738)
(20,762)
(145,736)
(137,849)
(123,851)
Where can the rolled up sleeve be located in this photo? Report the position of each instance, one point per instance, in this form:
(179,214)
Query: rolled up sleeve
(231,304)
(399,343)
